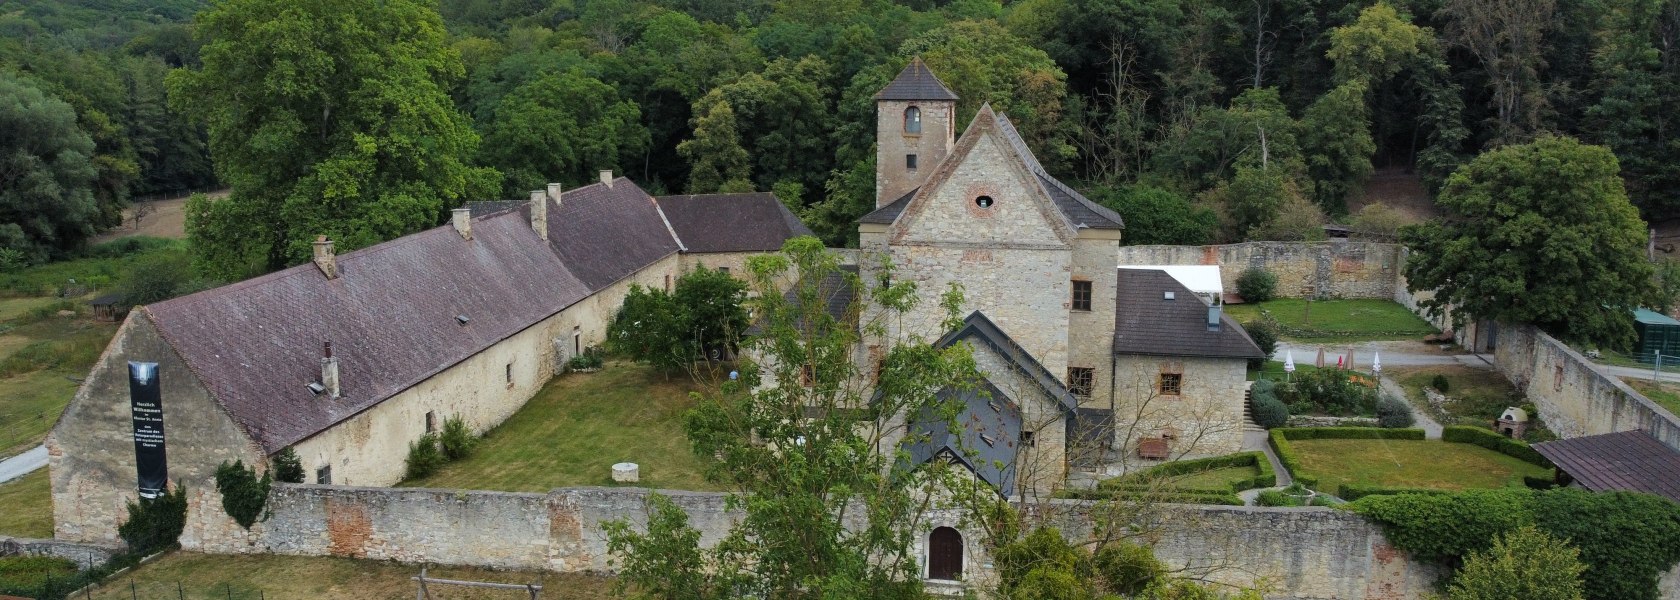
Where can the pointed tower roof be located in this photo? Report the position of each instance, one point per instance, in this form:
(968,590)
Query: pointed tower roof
(915,82)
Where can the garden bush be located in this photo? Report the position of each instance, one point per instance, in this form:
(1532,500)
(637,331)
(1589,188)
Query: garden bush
(1264,332)
(589,359)
(1268,411)
(1524,563)
(424,456)
(1256,285)
(1330,391)
(243,493)
(1354,491)
(1286,455)
(155,524)
(1393,413)
(1439,383)
(1487,438)
(457,438)
(287,467)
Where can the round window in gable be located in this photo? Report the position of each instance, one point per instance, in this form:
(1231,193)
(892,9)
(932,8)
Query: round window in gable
(983,201)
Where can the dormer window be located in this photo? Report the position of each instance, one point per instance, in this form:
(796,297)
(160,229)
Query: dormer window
(912,120)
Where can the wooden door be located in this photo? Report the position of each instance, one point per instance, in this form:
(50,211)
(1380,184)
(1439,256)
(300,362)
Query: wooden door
(945,554)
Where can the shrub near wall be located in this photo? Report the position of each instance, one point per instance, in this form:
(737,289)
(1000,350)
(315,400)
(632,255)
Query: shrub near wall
(1486,438)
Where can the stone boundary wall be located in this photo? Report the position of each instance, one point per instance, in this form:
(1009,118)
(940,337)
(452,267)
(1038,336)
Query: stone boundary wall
(1299,552)
(86,555)
(1573,396)
(1315,269)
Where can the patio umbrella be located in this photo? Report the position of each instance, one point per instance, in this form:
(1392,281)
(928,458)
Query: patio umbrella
(1376,363)
(1289,361)
(1320,362)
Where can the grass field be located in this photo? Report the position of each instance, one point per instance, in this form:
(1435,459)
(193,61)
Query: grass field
(1478,395)
(269,577)
(1667,395)
(1430,464)
(28,506)
(1337,320)
(1213,479)
(1273,369)
(573,431)
(42,360)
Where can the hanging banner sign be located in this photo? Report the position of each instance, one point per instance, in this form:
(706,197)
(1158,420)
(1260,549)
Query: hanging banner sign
(146,402)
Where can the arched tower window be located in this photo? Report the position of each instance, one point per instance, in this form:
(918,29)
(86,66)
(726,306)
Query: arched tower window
(912,120)
(945,554)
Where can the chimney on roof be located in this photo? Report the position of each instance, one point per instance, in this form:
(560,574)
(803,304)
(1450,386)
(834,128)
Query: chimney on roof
(329,370)
(324,257)
(540,206)
(606,177)
(462,218)
(1213,315)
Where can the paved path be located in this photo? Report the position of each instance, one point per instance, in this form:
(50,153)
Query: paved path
(23,464)
(1431,428)
(1257,440)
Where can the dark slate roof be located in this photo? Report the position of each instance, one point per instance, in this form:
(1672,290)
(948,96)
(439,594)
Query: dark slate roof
(485,208)
(978,327)
(1079,210)
(889,213)
(755,222)
(1147,323)
(390,315)
(990,425)
(916,82)
(1630,461)
(605,233)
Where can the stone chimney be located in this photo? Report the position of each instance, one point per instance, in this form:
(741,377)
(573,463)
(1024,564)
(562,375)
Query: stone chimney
(463,222)
(606,177)
(324,257)
(329,370)
(539,209)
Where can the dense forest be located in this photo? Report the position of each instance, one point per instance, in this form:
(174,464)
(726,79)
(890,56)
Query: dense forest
(1200,120)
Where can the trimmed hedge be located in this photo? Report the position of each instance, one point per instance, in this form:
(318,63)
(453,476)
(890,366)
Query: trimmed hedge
(1136,481)
(1172,497)
(1286,455)
(1354,491)
(1486,438)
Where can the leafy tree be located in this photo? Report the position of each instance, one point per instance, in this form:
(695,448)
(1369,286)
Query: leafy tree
(1376,46)
(1636,70)
(47,207)
(719,163)
(1156,215)
(795,478)
(1256,132)
(783,119)
(1506,37)
(1256,285)
(1539,233)
(1523,564)
(1336,135)
(327,117)
(983,62)
(669,330)
(287,467)
(561,127)
(1379,222)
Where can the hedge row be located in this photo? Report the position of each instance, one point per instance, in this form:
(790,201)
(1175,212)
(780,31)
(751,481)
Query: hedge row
(1267,477)
(1486,438)
(1286,455)
(1353,491)
(1350,433)
(1168,496)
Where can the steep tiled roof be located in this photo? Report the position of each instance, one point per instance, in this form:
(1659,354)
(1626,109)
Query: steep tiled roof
(1628,461)
(915,82)
(836,291)
(604,233)
(989,426)
(731,222)
(390,315)
(1145,322)
(1079,210)
(977,327)
(889,213)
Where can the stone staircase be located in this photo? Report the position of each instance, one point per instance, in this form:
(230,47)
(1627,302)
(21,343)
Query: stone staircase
(1248,423)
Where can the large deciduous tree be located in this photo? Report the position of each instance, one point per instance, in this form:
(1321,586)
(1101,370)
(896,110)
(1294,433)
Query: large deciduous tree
(1538,233)
(670,329)
(718,162)
(47,175)
(326,117)
(1508,37)
(561,127)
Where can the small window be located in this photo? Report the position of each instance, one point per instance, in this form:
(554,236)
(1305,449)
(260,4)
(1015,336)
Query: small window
(323,475)
(807,377)
(983,202)
(577,340)
(509,373)
(1027,438)
(912,120)
(1082,295)
(431,421)
(724,270)
(1171,384)
(1080,381)
(910,161)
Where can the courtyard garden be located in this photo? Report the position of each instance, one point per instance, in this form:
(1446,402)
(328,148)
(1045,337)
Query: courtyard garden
(1352,462)
(577,427)
(1349,320)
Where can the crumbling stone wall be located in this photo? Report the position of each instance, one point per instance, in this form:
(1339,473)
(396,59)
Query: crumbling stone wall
(1573,396)
(1304,269)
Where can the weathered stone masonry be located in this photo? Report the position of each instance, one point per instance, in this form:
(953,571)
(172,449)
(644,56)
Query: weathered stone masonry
(1304,269)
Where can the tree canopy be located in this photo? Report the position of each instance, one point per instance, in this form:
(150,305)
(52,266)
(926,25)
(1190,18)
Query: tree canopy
(1538,233)
(47,174)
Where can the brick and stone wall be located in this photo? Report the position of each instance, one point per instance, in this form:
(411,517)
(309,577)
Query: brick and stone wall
(84,555)
(1205,417)
(1316,269)
(1573,396)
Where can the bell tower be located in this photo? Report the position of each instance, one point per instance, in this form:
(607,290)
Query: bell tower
(914,130)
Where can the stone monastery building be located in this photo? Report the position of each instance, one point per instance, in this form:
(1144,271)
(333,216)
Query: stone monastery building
(349,359)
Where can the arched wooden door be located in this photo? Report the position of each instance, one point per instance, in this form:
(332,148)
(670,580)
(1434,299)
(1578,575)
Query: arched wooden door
(945,554)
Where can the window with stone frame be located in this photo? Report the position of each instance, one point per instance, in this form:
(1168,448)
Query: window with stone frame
(1081,295)
(912,120)
(1081,380)
(323,475)
(1171,384)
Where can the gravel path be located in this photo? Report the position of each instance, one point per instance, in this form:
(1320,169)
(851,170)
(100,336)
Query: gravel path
(23,464)
(1431,428)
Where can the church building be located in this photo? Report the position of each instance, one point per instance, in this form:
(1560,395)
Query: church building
(1088,366)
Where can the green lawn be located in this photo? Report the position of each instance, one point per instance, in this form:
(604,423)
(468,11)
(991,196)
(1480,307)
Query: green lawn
(42,360)
(1273,369)
(1430,464)
(573,431)
(1218,480)
(28,506)
(1478,395)
(1337,320)
(1666,395)
(222,577)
